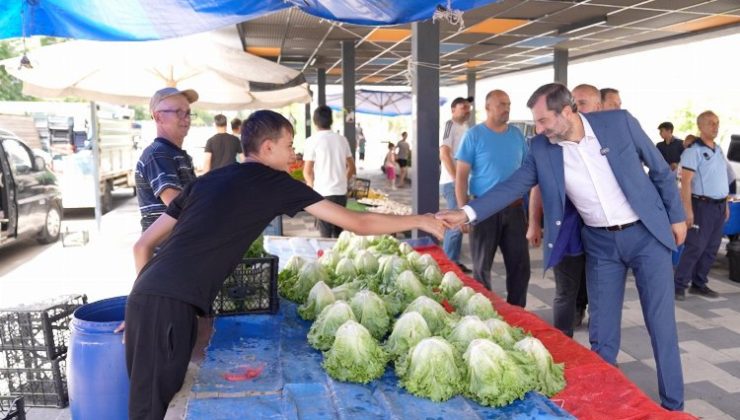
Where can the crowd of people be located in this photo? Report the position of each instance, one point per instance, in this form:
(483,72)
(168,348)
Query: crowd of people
(591,188)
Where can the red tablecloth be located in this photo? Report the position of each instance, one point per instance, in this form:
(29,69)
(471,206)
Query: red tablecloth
(595,389)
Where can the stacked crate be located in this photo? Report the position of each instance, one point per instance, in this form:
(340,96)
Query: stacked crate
(33,351)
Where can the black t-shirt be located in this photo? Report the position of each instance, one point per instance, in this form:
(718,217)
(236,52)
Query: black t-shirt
(218,217)
(671,152)
(223,148)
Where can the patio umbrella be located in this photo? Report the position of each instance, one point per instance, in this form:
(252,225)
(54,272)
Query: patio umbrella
(377,102)
(214,64)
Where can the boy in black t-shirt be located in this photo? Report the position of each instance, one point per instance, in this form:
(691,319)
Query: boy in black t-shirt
(201,238)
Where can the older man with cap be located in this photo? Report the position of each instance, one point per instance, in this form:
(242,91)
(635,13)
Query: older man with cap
(164,168)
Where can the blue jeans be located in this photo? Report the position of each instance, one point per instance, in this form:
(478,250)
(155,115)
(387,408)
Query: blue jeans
(453,237)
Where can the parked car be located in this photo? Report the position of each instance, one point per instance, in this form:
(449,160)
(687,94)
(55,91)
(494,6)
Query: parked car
(30,199)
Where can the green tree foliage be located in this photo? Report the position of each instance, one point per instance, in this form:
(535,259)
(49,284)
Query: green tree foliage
(684,120)
(11,89)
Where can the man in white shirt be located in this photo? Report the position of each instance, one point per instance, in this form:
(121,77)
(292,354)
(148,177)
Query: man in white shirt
(598,198)
(328,165)
(571,297)
(452,136)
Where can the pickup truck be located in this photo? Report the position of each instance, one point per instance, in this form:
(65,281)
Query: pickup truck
(30,199)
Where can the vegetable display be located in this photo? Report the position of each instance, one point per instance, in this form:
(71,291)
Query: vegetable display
(375,300)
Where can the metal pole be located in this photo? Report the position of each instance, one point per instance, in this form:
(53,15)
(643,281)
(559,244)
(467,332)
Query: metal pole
(560,64)
(93,138)
(425,81)
(308,120)
(471,93)
(348,89)
(321,85)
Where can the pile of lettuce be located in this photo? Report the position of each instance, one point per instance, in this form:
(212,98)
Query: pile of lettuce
(374,301)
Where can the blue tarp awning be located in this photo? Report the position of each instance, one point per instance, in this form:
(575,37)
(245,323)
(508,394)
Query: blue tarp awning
(140,20)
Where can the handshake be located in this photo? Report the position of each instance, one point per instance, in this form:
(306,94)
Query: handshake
(436,224)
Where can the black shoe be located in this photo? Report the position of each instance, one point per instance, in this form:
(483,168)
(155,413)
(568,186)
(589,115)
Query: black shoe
(464,269)
(703,291)
(680,295)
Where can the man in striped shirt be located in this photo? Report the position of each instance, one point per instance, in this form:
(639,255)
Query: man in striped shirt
(164,168)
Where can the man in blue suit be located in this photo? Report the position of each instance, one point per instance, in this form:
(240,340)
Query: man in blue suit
(597,195)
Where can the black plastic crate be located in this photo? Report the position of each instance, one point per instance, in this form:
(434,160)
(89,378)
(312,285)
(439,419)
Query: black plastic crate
(42,383)
(41,328)
(12,408)
(250,289)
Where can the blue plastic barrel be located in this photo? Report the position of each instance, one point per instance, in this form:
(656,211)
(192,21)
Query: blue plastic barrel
(96,363)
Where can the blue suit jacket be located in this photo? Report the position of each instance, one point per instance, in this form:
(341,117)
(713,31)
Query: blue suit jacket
(653,196)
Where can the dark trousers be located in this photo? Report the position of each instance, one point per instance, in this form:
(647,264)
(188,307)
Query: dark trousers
(569,274)
(582,298)
(160,335)
(327,229)
(506,229)
(702,244)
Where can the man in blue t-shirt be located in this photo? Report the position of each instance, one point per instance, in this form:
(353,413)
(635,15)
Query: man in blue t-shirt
(164,168)
(490,152)
(704,191)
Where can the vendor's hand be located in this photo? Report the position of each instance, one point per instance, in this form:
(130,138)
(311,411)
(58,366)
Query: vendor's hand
(534,234)
(466,228)
(430,224)
(689,219)
(119,329)
(679,232)
(453,218)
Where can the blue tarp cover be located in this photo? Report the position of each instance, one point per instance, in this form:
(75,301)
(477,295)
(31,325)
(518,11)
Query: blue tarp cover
(294,385)
(137,20)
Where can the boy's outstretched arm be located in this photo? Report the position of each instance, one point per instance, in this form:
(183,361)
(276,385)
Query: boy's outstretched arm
(373,223)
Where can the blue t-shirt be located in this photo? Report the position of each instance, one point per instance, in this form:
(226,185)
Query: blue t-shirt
(492,156)
(161,165)
(710,170)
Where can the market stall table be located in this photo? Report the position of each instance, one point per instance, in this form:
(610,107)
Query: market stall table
(262,366)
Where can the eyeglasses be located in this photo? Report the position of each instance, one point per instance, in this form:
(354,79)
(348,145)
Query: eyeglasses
(179,112)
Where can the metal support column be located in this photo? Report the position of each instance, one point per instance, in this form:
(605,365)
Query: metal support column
(308,120)
(321,85)
(94,141)
(560,64)
(348,92)
(471,94)
(425,139)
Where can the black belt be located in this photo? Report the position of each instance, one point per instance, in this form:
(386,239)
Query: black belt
(708,199)
(618,227)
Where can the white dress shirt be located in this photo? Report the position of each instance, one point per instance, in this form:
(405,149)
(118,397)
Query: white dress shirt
(590,183)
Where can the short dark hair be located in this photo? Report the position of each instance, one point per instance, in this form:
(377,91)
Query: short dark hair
(557,97)
(606,91)
(322,117)
(666,126)
(236,124)
(460,100)
(260,126)
(220,120)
